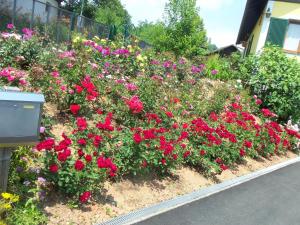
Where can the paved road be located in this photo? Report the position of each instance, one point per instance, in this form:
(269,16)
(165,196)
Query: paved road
(272,199)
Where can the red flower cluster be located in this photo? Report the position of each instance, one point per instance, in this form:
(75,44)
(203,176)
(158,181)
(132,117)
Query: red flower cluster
(267,113)
(81,123)
(74,109)
(85,196)
(47,144)
(79,165)
(107,124)
(135,104)
(108,164)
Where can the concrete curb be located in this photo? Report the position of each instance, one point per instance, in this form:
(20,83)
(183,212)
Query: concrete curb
(146,213)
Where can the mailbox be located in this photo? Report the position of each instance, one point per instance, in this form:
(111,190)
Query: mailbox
(20,118)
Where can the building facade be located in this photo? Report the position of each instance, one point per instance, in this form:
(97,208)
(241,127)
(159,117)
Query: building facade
(271,21)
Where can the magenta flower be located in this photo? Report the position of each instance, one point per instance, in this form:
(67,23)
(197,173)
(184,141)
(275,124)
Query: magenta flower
(214,72)
(131,87)
(10,26)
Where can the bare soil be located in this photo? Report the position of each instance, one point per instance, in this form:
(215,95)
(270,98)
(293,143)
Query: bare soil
(134,193)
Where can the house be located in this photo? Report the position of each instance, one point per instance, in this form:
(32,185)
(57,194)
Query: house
(271,21)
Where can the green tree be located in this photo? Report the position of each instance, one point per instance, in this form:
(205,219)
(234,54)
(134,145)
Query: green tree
(89,9)
(184,28)
(152,33)
(112,12)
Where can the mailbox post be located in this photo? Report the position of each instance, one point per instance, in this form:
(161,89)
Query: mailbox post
(20,119)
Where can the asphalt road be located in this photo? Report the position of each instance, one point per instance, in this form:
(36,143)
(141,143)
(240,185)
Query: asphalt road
(272,199)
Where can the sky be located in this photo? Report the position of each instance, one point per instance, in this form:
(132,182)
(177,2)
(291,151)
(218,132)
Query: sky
(222,18)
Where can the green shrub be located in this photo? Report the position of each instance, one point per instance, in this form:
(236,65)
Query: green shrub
(276,80)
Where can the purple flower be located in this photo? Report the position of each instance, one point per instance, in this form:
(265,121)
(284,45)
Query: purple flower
(41,195)
(10,26)
(19,169)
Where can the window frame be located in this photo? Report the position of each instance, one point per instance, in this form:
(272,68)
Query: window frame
(297,52)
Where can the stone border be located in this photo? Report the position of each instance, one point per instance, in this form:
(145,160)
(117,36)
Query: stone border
(148,212)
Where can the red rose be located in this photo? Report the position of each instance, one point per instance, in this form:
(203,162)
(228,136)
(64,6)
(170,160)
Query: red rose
(213,116)
(248,144)
(185,126)
(169,114)
(175,125)
(202,152)
(80,153)
(144,163)
(223,167)
(81,141)
(218,160)
(53,168)
(88,158)
(62,157)
(74,109)
(85,196)
(79,165)
(137,138)
(135,105)
(242,152)
(97,141)
(78,88)
(175,156)
(186,154)
(81,123)
(163,161)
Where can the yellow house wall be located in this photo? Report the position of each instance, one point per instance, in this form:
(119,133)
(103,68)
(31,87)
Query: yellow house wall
(286,10)
(255,34)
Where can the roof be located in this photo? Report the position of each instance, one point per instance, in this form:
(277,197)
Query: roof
(225,51)
(253,10)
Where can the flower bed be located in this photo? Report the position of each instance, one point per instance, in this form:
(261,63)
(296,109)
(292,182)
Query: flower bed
(126,112)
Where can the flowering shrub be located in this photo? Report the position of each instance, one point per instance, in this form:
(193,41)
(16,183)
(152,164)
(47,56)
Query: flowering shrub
(276,80)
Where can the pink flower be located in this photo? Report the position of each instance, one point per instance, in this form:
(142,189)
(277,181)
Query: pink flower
(63,87)
(55,74)
(10,26)
(258,102)
(131,87)
(214,72)
(135,105)
(42,130)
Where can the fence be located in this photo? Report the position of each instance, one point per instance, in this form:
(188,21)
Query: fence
(54,22)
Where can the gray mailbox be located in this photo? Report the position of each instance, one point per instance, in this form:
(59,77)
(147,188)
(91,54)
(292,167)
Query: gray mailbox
(20,118)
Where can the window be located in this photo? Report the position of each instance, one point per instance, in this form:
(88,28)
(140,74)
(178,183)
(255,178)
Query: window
(292,38)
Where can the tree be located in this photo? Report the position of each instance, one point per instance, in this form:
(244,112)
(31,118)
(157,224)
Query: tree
(152,33)
(112,12)
(184,28)
(89,9)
